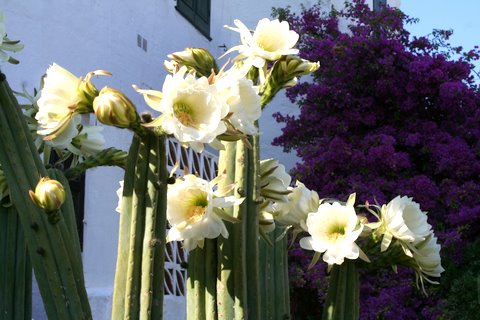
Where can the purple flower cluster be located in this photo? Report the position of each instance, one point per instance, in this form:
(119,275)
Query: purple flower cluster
(387,114)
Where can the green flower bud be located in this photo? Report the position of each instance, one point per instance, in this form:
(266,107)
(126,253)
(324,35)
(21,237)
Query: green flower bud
(88,92)
(113,108)
(198,59)
(49,194)
(286,70)
(284,74)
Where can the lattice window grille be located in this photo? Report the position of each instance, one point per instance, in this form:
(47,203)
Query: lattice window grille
(205,166)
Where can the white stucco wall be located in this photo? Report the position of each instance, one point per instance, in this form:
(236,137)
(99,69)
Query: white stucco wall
(102,34)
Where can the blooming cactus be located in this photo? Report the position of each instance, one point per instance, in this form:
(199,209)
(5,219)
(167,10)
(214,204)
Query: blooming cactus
(271,40)
(192,206)
(333,230)
(192,109)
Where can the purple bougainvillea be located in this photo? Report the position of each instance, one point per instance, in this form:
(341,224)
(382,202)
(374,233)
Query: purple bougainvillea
(387,114)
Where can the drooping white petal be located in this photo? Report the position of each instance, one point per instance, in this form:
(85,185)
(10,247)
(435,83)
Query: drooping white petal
(427,256)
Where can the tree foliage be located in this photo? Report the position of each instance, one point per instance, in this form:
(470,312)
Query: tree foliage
(388,114)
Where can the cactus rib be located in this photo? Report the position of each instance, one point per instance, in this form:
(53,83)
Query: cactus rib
(225,250)
(138,290)
(15,269)
(252,225)
(342,297)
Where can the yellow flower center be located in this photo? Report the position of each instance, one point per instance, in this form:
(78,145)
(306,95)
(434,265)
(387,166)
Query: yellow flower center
(336,231)
(184,113)
(197,210)
(195,214)
(266,44)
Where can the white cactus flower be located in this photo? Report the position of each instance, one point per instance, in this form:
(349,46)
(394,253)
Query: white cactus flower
(242,97)
(427,256)
(57,104)
(301,201)
(192,109)
(270,41)
(191,206)
(402,219)
(333,229)
(62,98)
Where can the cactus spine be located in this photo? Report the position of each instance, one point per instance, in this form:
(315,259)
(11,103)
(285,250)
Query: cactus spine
(138,289)
(50,248)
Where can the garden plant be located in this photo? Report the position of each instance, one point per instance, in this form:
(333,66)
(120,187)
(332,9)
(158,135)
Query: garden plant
(236,227)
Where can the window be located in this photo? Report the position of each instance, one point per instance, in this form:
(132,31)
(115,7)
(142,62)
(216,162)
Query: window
(378,4)
(198,13)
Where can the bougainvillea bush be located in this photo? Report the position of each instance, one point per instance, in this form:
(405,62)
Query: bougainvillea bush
(388,114)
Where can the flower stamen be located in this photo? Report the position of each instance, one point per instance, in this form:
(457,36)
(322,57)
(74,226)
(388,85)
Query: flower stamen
(195,214)
(183,112)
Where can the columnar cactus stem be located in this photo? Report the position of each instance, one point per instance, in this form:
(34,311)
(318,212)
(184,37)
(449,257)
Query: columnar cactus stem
(118,303)
(251,233)
(138,290)
(196,285)
(282,288)
(160,233)
(217,274)
(64,296)
(210,286)
(69,230)
(15,269)
(342,301)
(267,286)
(226,248)
(239,235)
(274,277)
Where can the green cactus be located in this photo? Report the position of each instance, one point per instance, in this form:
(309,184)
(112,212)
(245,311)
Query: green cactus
(274,276)
(251,229)
(225,247)
(343,292)
(15,269)
(251,276)
(138,289)
(54,259)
